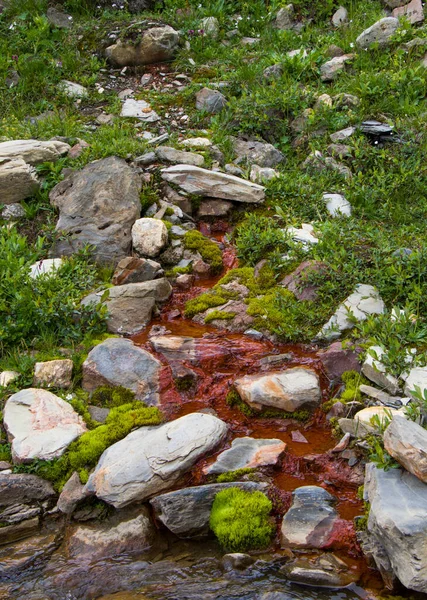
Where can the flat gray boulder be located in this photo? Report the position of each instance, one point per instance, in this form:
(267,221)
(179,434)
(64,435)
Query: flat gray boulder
(117,361)
(152,459)
(406,441)
(179,157)
(247,453)
(18,180)
(33,152)
(379,33)
(202,182)
(158,44)
(40,425)
(186,512)
(98,206)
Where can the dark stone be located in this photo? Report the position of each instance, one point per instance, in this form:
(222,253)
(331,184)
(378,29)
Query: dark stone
(337,360)
(23,488)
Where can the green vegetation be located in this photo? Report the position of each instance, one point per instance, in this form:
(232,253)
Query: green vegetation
(240,520)
(209,251)
(231,476)
(109,397)
(219,314)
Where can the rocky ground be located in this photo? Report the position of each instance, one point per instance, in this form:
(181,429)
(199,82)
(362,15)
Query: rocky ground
(212,278)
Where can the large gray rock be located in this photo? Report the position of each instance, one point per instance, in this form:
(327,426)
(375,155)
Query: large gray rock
(157,44)
(40,425)
(379,33)
(247,453)
(117,361)
(211,101)
(290,390)
(149,236)
(186,512)
(130,307)
(152,459)
(406,441)
(258,153)
(202,182)
(310,521)
(285,19)
(22,488)
(18,180)
(398,523)
(33,152)
(98,206)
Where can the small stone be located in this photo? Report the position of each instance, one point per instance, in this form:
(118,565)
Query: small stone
(59,19)
(214,209)
(135,270)
(53,373)
(237,561)
(72,493)
(337,205)
(340,17)
(210,26)
(47,266)
(72,89)
(18,181)
(333,51)
(139,109)
(374,369)
(343,134)
(273,72)
(331,69)
(339,151)
(413,12)
(178,157)
(323,101)
(8,377)
(185,281)
(298,437)
(197,142)
(247,453)
(210,101)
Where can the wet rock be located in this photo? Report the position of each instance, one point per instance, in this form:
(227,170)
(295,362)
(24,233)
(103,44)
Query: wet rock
(337,359)
(136,270)
(175,347)
(259,153)
(40,425)
(214,208)
(152,459)
(246,453)
(117,361)
(340,17)
(24,488)
(139,109)
(72,89)
(7,377)
(413,11)
(47,266)
(186,512)
(379,33)
(331,69)
(417,377)
(298,282)
(130,307)
(72,493)
(406,442)
(157,44)
(202,182)
(178,157)
(398,522)
(295,389)
(239,322)
(18,180)
(55,373)
(33,152)
(237,561)
(149,236)
(211,101)
(326,570)
(98,206)
(337,205)
(375,370)
(26,554)
(298,437)
(19,531)
(310,521)
(363,302)
(12,212)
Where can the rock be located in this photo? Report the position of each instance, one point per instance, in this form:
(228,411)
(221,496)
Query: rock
(398,522)
(202,182)
(136,270)
(339,151)
(58,18)
(379,33)
(395,3)
(247,453)
(72,493)
(40,425)
(185,281)
(139,109)
(262,174)
(285,19)
(175,348)
(55,373)
(237,561)
(8,377)
(323,101)
(158,44)
(24,488)
(12,212)
(214,208)
(292,390)
(12,79)
(364,301)
(305,235)
(406,442)
(198,142)
(149,236)
(375,370)
(210,26)
(346,100)
(337,359)
(18,531)
(413,11)
(72,89)
(298,282)
(340,17)
(326,570)
(130,307)
(46,266)
(98,414)
(377,132)
(18,180)
(417,377)
(273,72)
(177,157)
(343,134)
(382,397)
(146,159)
(33,152)
(186,512)
(259,153)
(317,162)
(365,416)
(117,361)
(211,101)
(337,205)
(310,521)
(331,69)
(152,459)
(98,206)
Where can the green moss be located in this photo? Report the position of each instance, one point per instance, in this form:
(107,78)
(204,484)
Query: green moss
(182,270)
(240,520)
(202,303)
(5,453)
(234,401)
(108,397)
(209,251)
(219,314)
(234,475)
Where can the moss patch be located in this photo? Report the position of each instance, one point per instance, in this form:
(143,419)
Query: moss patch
(234,475)
(209,251)
(219,314)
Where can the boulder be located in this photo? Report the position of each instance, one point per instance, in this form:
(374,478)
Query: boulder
(416,378)
(20,488)
(332,68)
(340,17)
(149,237)
(379,33)
(136,270)
(259,153)
(158,44)
(178,157)
(33,152)
(375,370)
(117,361)
(406,442)
(202,182)
(337,359)
(55,373)
(363,302)
(310,521)
(247,453)
(413,11)
(40,425)
(211,101)
(98,206)
(46,266)
(398,523)
(18,180)
(175,347)
(337,205)
(186,512)
(292,390)
(152,459)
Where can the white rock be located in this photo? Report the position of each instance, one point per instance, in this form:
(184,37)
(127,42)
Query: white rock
(18,180)
(73,90)
(149,236)
(332,68)
(139,109)
(379,33)
(304,235)
(375,371)
(198,142)
(47,266)
(210,26)
(337,204)
(342,135)
(384,414)
(7,377)
(56,373)
(33,152)
(340,17)
(417,377)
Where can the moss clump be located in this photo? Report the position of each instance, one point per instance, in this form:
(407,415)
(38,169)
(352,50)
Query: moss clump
(234,475)
(209,251)
(108,396)
(240,520)
(219,314)
(234,401)
(353,380)
(5,453)
(202,303)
